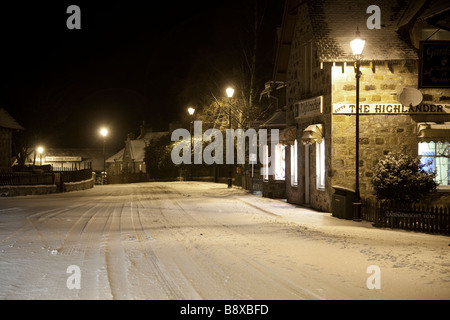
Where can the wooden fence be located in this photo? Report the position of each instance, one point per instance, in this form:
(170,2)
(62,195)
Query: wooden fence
(26,179)
(414,217)
(76,175)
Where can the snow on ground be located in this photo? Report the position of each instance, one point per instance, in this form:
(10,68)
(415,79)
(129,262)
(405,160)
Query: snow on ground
(193,240)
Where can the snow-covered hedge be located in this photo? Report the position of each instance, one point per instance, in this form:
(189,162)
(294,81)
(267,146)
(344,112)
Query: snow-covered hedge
(402,178)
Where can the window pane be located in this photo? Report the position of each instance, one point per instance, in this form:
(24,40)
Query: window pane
(266,162)
(427,155)
(435,157)
(294,164)
(280,162)
(320,165)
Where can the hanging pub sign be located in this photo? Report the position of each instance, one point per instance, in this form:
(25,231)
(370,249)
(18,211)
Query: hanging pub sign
(393,108)
(308,107)
(434,71)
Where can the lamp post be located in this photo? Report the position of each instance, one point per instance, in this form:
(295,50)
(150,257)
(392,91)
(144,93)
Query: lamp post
(191,112)
(230,92)
(104,133)
(40,150)
(357,46)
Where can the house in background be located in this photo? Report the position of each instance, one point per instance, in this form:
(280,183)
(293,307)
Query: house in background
(128,165)
(8,125)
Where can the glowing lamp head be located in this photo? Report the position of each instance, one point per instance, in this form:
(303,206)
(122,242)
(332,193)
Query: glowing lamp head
(191,111)
(40,149)
(230,92)
(104,132)
(357,44)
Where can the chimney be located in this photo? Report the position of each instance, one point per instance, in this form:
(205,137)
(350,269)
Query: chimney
(130,136)
(144,129)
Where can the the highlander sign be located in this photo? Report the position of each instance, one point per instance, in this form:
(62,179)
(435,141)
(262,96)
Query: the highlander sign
(393,108)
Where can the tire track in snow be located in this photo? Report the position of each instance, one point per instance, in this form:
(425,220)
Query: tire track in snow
(37,220)
(173,271)
(203,266)
(149,257)
(264,271)
(114,255)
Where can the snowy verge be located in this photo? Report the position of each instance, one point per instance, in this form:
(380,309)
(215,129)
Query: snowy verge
(80,185)
(13,191)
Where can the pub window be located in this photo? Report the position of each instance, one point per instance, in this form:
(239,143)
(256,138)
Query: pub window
(435,156)
(266,162)
(280,162)
(320,165)
(294,164)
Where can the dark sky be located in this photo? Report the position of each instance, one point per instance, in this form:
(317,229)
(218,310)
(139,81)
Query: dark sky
(131,61)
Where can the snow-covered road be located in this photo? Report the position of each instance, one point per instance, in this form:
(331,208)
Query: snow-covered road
(191,240)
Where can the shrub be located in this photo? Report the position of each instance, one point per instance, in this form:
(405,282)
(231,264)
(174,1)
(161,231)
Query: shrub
(402,178)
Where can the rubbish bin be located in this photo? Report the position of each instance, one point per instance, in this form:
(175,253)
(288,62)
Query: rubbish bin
(342,202)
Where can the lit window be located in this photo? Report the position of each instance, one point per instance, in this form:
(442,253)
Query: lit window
(280,162)
(435,156)
(320,165)
(266,162)
(294,164)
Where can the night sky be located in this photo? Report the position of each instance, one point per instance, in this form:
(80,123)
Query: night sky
(131,61)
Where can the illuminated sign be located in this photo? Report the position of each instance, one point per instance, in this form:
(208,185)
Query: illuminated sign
(62,159)
(391,108)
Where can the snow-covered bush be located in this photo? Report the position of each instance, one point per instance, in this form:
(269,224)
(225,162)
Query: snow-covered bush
(402,178)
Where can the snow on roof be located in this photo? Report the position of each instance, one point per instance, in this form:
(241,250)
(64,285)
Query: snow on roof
(334,25)
(117,157)
(137,149)
(6,121)
(278,119)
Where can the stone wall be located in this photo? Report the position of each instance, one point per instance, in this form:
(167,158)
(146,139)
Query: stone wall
(305,82)
(379,134)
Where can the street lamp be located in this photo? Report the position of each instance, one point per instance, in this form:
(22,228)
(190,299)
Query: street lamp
(40,150)
(191,112)
(230,92)
(104,133)
(357,46)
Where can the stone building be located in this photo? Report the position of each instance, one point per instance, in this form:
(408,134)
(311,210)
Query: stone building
(315,63)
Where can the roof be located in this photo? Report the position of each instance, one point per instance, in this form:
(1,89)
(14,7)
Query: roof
(8,122)
(277,120)
(137,149)
(117,157)
(150,136)
(334,25)
(285,41)
(436,13)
